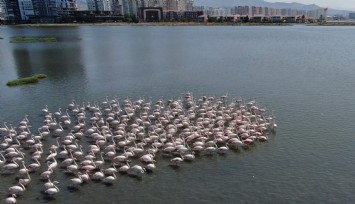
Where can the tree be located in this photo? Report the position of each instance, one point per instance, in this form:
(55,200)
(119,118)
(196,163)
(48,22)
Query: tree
(246,19)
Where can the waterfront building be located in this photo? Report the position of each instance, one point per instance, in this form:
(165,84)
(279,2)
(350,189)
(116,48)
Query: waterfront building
(151,14)
(130,7)
(210,11)
(26,9)
(65,6)
(352,16)
(243,10)
(178,5)
(2,16)
(116,7)
(155,3)
(315,13)
(176,15)
(11,11)
(45,8)
(99,5)
(81,5)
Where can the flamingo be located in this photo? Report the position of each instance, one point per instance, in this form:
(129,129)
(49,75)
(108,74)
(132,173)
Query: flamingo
(124,168)
(175,162)
(109,179)
(150,167)
(11,166)
(46,174)
(17,190)
(25,182)
(50,184)
(2,162)
(110,171)
(98,176)
(34,166)
(11,199)
(147,158)
(52,191)
(76,181)
(45,110)
(136,171)
(24,170)
(53,165)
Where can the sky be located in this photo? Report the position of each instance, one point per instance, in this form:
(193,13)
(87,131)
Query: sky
(335,4)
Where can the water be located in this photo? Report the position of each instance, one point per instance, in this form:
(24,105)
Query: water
(305,74)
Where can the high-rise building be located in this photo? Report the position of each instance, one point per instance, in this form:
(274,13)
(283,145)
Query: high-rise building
(243,10)
(155,3)
(130,7)
(99,5)
(12,10)
(178,5)
(26,9)
(1,10)
(116,7)
(45,8)
(65,6)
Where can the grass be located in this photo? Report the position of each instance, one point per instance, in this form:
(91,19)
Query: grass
(33,39)
(27,80)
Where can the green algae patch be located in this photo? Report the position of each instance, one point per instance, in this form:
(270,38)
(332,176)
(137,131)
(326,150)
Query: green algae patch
(34,40)
(27,80)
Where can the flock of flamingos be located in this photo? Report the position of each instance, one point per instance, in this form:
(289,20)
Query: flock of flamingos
(95,141)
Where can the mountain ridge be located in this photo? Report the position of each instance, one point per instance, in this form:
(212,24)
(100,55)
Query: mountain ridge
(263,3)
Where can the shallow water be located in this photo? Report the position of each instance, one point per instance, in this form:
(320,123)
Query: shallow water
(305,74)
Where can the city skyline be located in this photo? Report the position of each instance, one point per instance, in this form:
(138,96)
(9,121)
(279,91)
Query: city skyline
(338,4)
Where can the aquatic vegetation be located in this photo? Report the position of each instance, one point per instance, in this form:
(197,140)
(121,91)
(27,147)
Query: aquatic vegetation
(33,39)
(26,80)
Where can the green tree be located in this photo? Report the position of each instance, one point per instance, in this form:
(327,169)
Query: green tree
(246,19)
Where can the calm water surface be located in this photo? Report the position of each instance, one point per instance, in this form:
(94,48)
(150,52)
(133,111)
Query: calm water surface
(305,74)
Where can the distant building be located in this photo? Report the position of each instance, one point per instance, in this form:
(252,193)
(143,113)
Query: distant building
(352,16)
(2,14)
(178,15)
(12,11)
(116,7)
(130,7)
(26,9)
(243,10)
(45,8)
(64,6)
(99,5)
(177,5)
(155,3)
(151,14)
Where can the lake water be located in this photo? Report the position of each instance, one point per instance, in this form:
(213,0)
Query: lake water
(304,74)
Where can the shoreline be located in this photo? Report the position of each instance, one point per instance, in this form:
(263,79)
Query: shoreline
(186,24)
(154,24)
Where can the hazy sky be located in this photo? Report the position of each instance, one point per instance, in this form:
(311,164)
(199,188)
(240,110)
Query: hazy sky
(336,4)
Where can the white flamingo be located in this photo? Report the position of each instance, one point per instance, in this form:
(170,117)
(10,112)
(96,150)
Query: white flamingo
(52,191)
(109,179)
(17,190)
(11,199)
